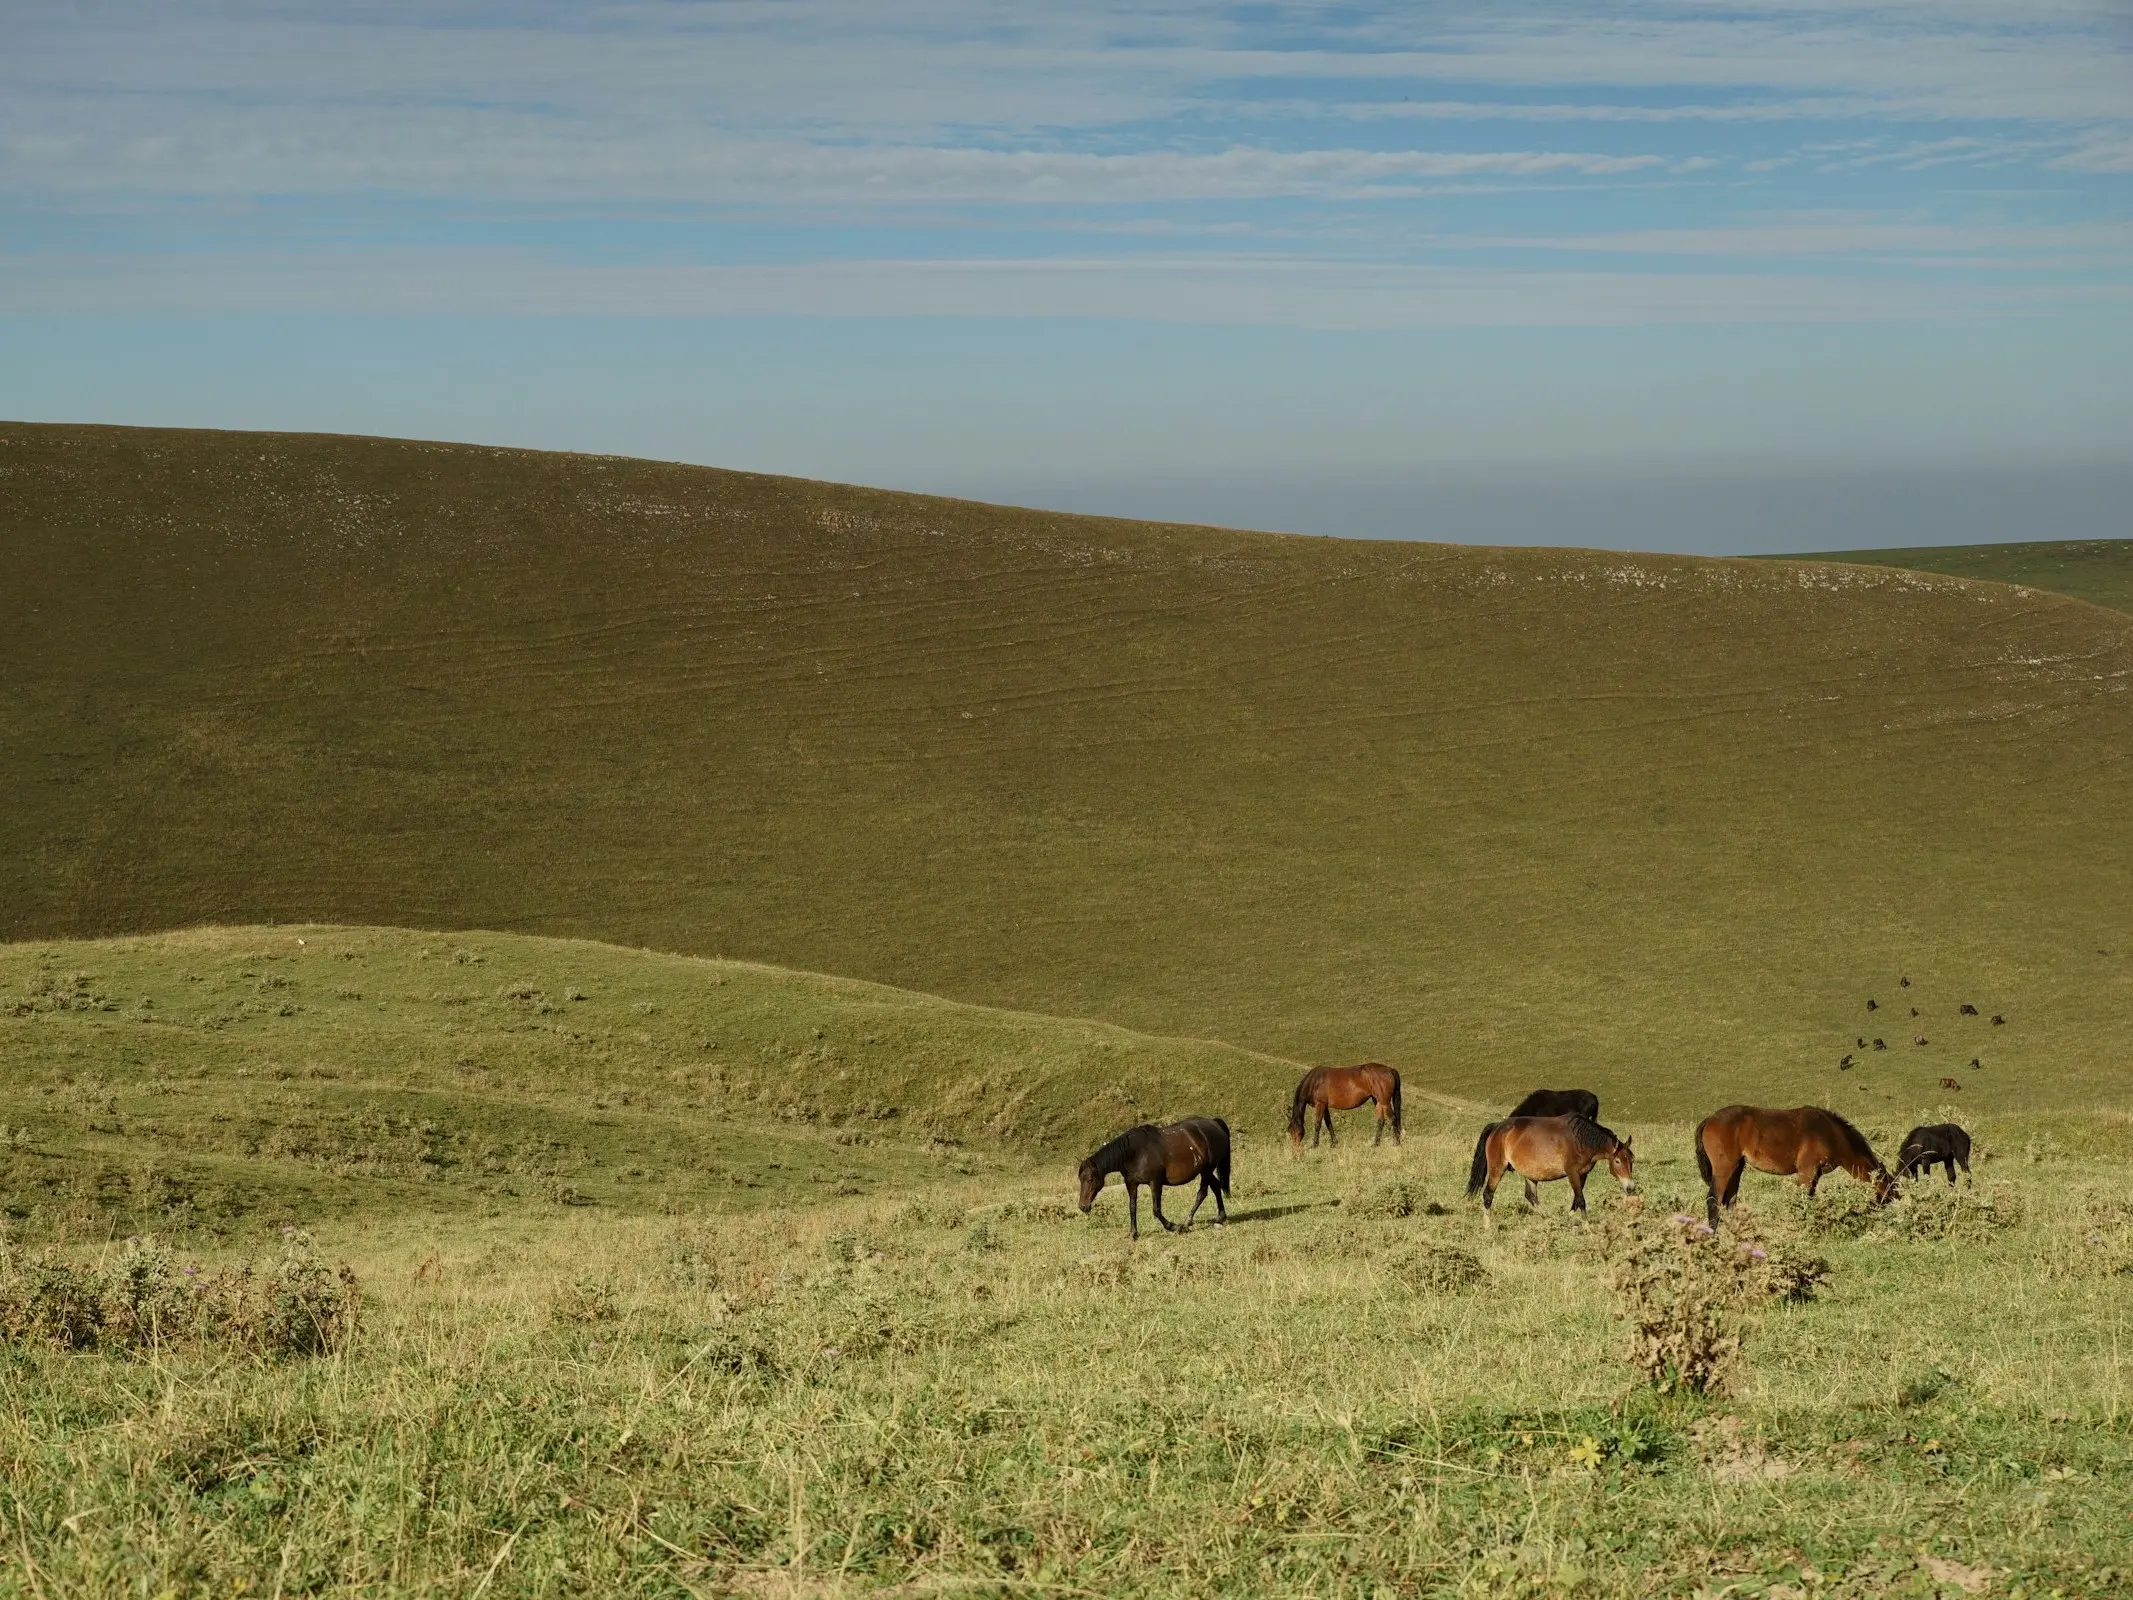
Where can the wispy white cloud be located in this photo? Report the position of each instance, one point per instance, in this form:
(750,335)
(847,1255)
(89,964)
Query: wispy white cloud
(449,152)
(1241,290)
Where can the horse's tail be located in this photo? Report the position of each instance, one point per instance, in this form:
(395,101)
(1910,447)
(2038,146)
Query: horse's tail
(1221,1162)
(1395,1105)
(1296,1104)
(1480,1173)
(1703,1158)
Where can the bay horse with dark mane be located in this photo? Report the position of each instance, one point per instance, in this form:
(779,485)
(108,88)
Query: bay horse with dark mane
(1198,1147)
(1805,1141)
(1542,1149)
(1559,1103)
(1326,1090)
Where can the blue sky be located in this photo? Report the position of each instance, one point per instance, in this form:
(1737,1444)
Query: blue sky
(1428,269)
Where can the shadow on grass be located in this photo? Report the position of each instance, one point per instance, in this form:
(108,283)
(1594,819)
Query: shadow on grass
(1273,1213)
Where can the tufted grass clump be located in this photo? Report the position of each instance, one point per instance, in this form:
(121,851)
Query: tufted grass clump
(1383,1198)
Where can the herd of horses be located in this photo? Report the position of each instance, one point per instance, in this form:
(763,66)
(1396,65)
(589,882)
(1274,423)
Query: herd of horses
(1551,1134)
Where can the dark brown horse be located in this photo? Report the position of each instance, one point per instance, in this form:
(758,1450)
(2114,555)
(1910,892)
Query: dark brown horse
(1198,1147)
(1542,1149)
(1559,1103)
(1330,1089)
(1805,1141)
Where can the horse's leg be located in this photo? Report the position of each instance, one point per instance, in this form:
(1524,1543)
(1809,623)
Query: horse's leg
(1133,1210)
(1156,1190)
(1325,1115)
(1196,1200)
(1488,1193)
(1533,1194)
(1380,1133)
(1948,1165)
(1732,1185)
(1577,1190)
(1966,1169)
(1811,1178)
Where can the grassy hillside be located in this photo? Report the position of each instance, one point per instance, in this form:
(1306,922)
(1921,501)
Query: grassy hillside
(217,1078)
(2099,571)
(1654,824)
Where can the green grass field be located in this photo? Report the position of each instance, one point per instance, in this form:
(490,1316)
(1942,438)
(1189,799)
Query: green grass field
(1486,814)
(642,1316)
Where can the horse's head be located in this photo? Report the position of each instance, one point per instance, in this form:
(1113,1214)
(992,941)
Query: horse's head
(1622,1162)
(1885,1188)
(1092,1183)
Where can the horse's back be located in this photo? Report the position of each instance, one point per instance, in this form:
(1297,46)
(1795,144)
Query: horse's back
(1194,1145)
(1559,1102)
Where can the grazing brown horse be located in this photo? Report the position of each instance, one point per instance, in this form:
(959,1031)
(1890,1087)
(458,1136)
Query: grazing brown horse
(1198,1147)
(1806,1141)
(1541,1149)
(1330,1089)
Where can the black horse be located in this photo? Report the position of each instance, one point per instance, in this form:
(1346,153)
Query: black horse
(1942,1144)
(1559,1103)
(1198,1147)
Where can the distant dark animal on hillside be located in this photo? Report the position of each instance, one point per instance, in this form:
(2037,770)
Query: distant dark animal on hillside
(1920,1039)
(1860,1041)
(1941,1144)
(1881,1044)
(1966,1011)
(1197,1147)
(1914,1011)
(1542,1149)
(1950,1083)
(1905,982)
(1873,1005)
(1998,1021)
(1805,1141)
(1975,1062)
(1559,1103)
(1845,1065)
(1330,1089)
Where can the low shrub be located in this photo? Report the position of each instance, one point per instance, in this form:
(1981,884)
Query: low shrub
(1970,1212)
(1687,1291)
(293,1306)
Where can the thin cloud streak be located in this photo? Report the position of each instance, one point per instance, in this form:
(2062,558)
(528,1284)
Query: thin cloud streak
(1240,290)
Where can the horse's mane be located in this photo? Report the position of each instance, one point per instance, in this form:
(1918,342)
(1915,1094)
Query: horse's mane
(1296,1101)
(1860,1147)
(1108,1156)
(1587,1134)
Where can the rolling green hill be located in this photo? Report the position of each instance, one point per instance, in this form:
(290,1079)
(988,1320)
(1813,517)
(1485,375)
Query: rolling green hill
(2099,571)
(1657,824)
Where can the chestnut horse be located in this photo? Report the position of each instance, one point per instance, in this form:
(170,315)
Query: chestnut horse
(1805,1141)
(1330,1089)
(1542,1149)
(1198,1147)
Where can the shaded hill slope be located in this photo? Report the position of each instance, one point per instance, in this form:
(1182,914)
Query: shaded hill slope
(1497,816)
(2099,571)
